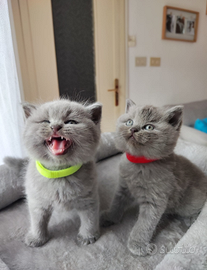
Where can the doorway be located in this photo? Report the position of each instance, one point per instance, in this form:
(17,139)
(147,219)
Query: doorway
(74,45)
(51,67)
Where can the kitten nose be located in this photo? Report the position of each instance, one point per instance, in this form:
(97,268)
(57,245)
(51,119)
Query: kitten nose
(56,128)
(133,130)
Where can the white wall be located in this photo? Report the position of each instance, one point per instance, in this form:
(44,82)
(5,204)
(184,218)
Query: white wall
(182,76)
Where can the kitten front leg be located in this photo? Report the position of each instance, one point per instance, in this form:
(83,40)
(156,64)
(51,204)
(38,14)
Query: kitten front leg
(121,201)
(89,229)
(142,232)
(38,235)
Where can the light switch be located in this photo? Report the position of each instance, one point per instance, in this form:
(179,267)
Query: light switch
(140,61)
(155,61)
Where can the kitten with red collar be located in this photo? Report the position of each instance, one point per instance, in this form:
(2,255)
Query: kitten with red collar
(151,174)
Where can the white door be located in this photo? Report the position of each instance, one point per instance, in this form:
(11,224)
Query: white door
(110,54)
(36,49)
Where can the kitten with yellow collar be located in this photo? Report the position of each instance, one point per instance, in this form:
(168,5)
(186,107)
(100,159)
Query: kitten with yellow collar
(61,138)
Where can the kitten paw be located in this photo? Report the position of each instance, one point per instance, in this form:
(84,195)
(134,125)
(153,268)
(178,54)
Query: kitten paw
(34,241)
(139,249)
(105,220)
(86,240)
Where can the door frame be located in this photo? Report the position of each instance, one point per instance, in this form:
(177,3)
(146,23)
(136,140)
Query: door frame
(33,38)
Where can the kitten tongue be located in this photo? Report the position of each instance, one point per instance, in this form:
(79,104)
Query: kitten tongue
(59,146)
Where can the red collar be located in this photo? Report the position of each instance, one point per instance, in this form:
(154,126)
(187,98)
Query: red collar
(136,159)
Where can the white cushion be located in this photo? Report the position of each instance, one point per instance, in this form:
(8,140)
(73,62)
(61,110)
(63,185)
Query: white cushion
(193,135)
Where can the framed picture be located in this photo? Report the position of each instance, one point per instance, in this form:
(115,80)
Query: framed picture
(179,24)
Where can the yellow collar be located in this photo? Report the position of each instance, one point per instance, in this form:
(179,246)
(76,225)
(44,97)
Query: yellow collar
(56,174)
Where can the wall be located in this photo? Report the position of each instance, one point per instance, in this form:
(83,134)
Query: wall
(182,76)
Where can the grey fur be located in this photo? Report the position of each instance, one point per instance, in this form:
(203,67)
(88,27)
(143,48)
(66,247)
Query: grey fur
(171,184)
(77,191)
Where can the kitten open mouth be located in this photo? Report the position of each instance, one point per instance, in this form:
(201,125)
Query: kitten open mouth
(58,145)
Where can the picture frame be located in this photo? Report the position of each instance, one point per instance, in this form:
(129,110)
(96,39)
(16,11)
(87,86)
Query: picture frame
(179,24)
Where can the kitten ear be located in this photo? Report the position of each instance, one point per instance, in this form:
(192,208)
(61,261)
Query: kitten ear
(174,116)
(96,112)
(129,103)
(28,109)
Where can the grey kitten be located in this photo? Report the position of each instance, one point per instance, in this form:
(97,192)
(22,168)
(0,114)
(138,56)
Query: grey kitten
(168,184)
(61,134)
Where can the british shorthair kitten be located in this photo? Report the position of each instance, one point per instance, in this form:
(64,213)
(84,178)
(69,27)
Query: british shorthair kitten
(61,138)
(152,174)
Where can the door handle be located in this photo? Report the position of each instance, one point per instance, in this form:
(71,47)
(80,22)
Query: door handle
(116,90)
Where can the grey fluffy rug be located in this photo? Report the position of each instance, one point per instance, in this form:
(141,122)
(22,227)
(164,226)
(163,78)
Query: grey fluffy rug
(110,251)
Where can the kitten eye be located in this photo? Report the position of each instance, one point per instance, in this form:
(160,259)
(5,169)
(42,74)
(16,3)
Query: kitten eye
(129,123)
(71,122)
(148,127)
(46,121)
